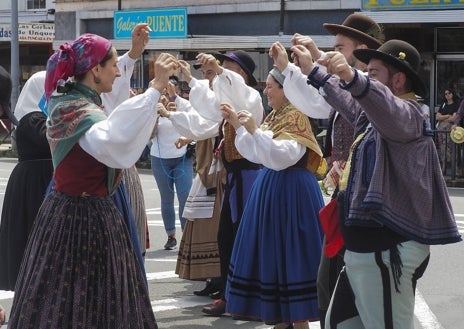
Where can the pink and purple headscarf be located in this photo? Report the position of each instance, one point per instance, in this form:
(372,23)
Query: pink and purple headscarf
(76,58)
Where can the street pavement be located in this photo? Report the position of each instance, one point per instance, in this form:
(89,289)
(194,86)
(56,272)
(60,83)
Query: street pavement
(176,306)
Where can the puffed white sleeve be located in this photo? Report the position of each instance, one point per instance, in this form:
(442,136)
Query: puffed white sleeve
(189,123)
(119,140)
(262,148)
(121,85)
(204,100)
(230,88)
(304,97)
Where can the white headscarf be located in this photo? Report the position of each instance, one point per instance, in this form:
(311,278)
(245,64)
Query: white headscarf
(30,96)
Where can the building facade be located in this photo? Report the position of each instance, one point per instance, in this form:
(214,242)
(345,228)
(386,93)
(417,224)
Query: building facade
(435,27)
(36,32)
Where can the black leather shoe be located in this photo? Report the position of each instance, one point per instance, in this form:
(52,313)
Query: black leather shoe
(213,285)
(218,308)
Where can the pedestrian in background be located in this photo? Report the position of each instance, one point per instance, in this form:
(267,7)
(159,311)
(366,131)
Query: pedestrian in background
(445,119)
(171,167)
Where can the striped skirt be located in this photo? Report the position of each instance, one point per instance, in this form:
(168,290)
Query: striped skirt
(80,270)
(277,250)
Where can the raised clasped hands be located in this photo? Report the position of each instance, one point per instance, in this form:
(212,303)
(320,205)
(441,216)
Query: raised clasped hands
(337,64)
(302,58)
(185,70)
(165,66)
(209,62)
(308,43)
(279,54)
(237,119)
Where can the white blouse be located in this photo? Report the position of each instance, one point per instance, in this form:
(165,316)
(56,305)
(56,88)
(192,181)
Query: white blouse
(229,87)
(119,140)
(262,148)
(189,123)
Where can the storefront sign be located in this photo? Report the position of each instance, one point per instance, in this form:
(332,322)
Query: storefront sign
(32,32)
(165,23)
(411,4)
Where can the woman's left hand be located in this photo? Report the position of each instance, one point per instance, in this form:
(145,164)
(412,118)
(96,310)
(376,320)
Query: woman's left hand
(246,119)
(229,114)
(162,111)
(181,142)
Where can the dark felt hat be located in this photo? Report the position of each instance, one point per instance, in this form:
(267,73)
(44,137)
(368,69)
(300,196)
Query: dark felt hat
(400,55)
(5,95)
(244,60)
(359,27)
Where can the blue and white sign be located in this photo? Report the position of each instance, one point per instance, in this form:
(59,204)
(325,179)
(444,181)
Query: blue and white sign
(165,23)
(411,4)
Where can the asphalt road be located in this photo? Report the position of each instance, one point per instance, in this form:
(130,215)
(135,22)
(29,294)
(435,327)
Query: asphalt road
(439,300)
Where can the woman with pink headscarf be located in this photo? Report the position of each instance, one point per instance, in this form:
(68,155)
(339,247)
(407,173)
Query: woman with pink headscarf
(79,269)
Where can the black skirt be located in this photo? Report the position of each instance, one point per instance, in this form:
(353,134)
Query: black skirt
(80,270)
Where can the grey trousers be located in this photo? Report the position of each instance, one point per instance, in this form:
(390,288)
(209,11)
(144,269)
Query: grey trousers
(366,295)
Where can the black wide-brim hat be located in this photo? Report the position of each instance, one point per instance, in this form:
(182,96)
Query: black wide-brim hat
(359,27)
(244,60)
(400,55)
(5,95)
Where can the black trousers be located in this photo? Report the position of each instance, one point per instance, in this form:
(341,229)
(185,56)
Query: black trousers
(226,237)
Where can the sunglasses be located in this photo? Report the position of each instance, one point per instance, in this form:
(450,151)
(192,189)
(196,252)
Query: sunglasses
(447,93)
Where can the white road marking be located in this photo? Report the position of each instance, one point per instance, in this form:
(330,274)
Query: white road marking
(424,314)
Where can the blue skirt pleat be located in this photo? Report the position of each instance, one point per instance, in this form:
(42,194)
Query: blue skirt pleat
(275,259)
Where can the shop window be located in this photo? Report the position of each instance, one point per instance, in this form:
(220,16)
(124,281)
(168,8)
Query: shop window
(36,4)
(449,40)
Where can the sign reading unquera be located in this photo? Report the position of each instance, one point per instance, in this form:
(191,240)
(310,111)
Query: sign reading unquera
(31,32)
(164,23)
(411,4)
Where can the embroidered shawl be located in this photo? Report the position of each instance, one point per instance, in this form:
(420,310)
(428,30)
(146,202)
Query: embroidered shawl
(71,115)
(288,122)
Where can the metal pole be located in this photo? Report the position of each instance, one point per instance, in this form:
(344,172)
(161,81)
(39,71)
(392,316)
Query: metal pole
(14,64)
(282,17)
(14,53)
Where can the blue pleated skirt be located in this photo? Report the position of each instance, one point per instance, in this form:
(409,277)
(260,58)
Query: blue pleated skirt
(275,259)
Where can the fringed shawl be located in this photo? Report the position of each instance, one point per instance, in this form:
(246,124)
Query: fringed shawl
(71,115)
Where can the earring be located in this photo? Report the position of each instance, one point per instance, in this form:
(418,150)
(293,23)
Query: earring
(97,80)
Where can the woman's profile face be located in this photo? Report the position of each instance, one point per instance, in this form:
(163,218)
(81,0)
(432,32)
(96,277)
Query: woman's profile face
(274,92)
(109,72)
